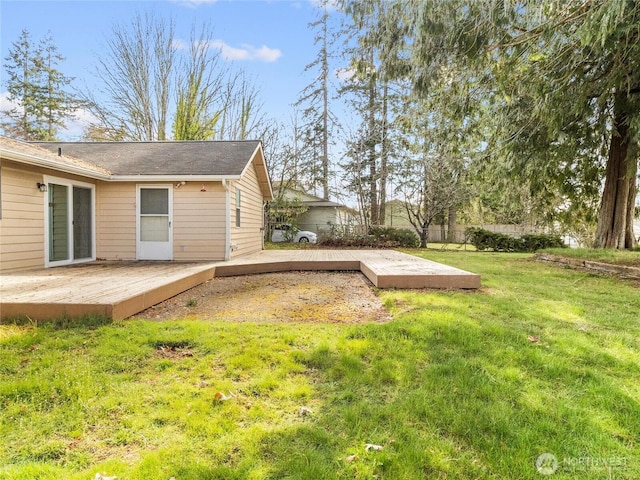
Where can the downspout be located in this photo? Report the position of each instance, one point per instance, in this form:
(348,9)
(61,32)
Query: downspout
(227,220)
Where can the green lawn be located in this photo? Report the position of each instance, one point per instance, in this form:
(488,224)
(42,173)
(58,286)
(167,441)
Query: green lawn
(460,385)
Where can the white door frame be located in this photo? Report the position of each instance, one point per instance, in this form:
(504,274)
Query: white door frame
(165,251)
(47,179)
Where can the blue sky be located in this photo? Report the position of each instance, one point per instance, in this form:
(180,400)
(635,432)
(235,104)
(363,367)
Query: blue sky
(269,39)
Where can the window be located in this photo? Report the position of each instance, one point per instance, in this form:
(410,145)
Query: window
(238,200)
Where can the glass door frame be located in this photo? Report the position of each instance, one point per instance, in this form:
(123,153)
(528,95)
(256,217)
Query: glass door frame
(166,251)
(47,224)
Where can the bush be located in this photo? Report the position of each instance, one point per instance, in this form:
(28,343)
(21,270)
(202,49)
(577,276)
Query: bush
(379,237)
(400,236)
(535,242)
(499,242)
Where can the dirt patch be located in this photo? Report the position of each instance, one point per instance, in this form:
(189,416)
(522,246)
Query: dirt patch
(327,297)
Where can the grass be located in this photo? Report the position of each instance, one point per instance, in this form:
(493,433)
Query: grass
(460,385)
(618,257)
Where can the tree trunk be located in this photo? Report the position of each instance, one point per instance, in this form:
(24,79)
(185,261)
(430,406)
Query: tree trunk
(371,147)
(384,155)
(325,108)
(452,223)
(424,235)
(615,219)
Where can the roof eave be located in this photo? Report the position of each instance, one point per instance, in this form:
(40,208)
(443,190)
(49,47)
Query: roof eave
(172,178)
(263,173)
(53,165)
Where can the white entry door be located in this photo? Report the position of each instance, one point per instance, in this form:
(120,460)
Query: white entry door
(155,235)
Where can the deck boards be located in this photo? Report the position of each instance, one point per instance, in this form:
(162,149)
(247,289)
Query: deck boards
(121,289)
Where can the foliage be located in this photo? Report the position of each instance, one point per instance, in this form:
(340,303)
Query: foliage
(499,242)
(431,186)
(459,385)
(144,79)
(403,237)
(375,102)
(285,210)
(378,237)
(317,113)
(198,91)
(38,89)
(558,88)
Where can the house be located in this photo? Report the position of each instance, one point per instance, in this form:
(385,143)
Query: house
(64,203)
(322,215)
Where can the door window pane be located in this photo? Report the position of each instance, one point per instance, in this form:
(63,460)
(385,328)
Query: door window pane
(154,229)
(154,201)
(58,222)
(82,223)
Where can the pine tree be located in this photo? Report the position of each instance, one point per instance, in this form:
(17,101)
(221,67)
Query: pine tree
(315,98)
(38,88)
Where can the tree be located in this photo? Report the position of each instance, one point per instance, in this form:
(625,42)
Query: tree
(315,96)
(147,75)
(38,88)
(372,98)
(242,117)
(199,93)
(137,74)
(432,186)
(563,81)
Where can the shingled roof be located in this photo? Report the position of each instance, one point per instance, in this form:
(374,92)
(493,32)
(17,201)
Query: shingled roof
(197,158)
(145,161)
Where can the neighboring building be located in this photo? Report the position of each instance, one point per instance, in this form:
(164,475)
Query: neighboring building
(64,203)
(323,215)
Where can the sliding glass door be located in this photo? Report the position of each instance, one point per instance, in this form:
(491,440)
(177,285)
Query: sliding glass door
(69,229)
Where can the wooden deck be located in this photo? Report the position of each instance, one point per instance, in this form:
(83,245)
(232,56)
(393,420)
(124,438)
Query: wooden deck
(121,289)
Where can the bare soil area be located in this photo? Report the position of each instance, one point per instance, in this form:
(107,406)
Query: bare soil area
(329,297)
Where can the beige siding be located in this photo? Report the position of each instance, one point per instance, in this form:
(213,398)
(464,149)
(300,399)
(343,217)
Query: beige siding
(199,222)
(247,237)
(199,218)
(22,223)
(116,221)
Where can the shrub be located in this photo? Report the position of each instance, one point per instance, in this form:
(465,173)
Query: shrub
(499,242)
(534,242)
(379,237)
(400,236)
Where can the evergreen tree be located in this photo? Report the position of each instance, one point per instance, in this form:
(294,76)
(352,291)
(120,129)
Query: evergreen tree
(38,88)
(561,84)
(369,94)
(316,113)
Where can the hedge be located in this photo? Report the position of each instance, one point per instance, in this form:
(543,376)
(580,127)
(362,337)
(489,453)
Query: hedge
(499,242)
(378,237)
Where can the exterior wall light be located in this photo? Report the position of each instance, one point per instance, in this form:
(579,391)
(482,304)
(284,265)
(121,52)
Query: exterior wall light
(42,186)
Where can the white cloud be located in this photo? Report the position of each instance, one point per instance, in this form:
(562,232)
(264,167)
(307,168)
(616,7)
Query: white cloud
(194,3)
(6,104)
(74,128)
(345,74)
(247,52)
(179,44)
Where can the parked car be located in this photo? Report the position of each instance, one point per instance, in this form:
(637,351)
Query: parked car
(285,233)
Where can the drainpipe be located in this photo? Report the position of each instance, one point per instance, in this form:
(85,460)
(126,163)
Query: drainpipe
(227,220)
